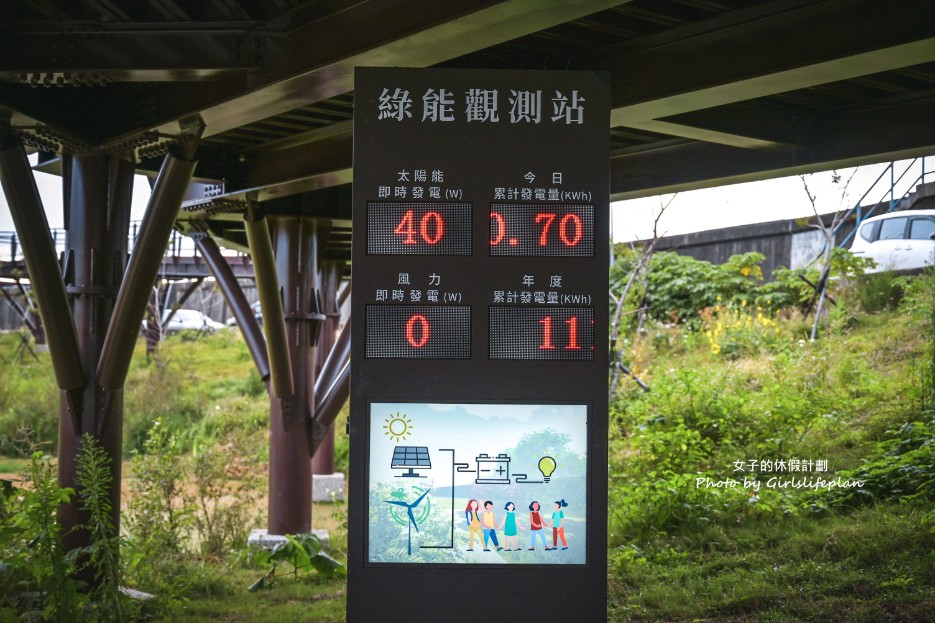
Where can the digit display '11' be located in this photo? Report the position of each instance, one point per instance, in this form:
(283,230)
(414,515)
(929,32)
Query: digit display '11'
(542,332)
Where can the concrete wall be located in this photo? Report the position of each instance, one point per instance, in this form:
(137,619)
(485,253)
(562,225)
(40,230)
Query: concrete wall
(790,243)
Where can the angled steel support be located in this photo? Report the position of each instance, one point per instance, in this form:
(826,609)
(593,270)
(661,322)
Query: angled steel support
(173,180)
(20,310)
(45,275)
(338,357)
(267,285)
(331,272)
(194,285)
(328,403)
(233,294)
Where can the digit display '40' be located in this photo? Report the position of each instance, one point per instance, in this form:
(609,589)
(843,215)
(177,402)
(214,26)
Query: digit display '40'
(417,228)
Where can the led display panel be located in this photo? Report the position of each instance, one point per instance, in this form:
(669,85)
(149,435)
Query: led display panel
(416,228)
(541,230)
(542,332)
(468,484)
(479,322)
(418,331)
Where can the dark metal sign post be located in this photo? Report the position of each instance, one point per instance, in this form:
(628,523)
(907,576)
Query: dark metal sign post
(479,377)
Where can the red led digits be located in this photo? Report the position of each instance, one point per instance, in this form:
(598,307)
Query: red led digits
(431,228)
(530,230)
(570,235)
(545,220)
(418,331)
(571,344)
(553,333)
(546,333)
(497,228)
(572,334)
(578,229)
(416,228)
(417,323)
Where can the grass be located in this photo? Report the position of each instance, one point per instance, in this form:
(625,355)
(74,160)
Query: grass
(12,466)
(288,600)
(681,556)
(873,565)
(746,564)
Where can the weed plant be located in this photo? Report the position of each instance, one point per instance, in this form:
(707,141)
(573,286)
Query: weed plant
(36,571)
(103,555)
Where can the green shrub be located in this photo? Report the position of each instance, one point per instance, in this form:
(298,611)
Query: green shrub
(36,571)
(157,520)
(902,471)
(879,291)
(224,495)
(159,391)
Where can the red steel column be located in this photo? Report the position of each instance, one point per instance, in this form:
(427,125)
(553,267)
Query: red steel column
(97,194)
(295,242)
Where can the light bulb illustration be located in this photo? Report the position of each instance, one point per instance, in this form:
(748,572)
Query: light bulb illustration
(547,465)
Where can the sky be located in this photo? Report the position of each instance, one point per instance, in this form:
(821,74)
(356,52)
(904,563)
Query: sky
(50,189)
(697,210)
(757,202)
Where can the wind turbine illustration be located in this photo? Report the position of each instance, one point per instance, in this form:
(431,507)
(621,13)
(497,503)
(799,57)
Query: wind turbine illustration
(412,519)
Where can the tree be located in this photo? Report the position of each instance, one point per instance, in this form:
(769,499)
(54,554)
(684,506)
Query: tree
(638,275)
(828,233)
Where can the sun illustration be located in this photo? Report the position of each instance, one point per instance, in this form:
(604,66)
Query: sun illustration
(398,427)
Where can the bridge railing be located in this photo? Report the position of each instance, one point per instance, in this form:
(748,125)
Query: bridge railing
(179,245)
(908,180)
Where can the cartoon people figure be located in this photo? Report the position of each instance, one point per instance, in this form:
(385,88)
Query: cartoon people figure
(490,527)
(510,526)
(535,526)
(558,530)
(473,522)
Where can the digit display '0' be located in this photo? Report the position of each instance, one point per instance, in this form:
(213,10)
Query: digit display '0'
(418,331)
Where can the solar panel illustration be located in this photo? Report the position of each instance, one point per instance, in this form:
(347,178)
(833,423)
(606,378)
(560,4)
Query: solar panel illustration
(411,457)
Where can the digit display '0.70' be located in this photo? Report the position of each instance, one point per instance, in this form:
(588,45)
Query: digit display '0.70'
(542,332)
(418,331)
(417,228)
(533,230)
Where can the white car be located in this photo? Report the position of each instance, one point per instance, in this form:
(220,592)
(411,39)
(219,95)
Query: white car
(189,319)
(898,240)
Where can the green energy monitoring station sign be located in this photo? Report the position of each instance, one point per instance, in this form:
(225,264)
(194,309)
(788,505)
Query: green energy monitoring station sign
(478,418)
